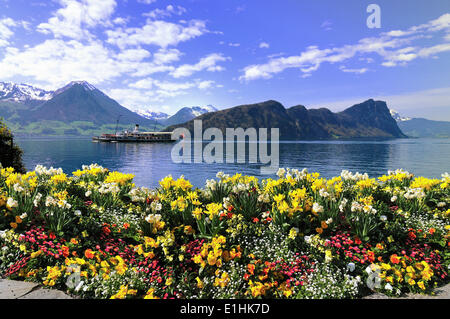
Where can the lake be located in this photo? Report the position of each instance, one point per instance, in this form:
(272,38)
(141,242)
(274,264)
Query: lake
(152,162)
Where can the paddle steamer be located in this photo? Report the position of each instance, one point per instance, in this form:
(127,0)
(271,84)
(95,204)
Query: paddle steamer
(135,136)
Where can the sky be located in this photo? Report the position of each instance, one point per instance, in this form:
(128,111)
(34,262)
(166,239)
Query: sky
(162,55)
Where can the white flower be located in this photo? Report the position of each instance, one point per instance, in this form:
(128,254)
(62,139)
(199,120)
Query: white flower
(18,188)
(393,198)
(23,216)
(77,212)
(351,267)
(323,193)
(281,172)
(220,174)
(153,218)
(11,203)
(383,218)
(317,208)
(388,287)
(37,199)
(88,193)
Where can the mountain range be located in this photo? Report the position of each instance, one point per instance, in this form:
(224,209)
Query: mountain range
(420,127)
(183,115)
(368,119)
(78,108)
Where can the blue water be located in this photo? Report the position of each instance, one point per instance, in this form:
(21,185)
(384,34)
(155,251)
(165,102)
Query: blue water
(152,162)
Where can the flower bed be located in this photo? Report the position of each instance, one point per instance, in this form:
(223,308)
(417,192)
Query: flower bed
(96,235)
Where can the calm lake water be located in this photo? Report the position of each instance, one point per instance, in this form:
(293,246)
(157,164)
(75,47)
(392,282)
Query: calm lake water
(152,162)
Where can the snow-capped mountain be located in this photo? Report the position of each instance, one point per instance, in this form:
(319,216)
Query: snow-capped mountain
(85,85)
(396,116)
(151,115)
(23,92)
(188,113)
(199,110)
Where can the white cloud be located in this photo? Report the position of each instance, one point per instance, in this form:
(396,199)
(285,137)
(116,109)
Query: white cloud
(393,47)
(133,55)
(131,98)
(263,45)
(231,44)
(159,33)
(326,25)
(146,1)
(208,63)
(6,29)
(164,56)
(357,71)
(165,13)
(75,17)
(205,85)
(149,90)
(55,62)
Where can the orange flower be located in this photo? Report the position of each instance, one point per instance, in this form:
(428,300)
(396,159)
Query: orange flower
(324,224)
(89,253)
(395,259)
(13,225)
(65,251)
(380,246)
(74,241)
(319,230)
(371,256)
(251,268)
(126,225)
(432,231)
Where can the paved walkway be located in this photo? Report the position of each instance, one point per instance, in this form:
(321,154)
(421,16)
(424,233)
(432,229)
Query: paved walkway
(439,293)
(12,289)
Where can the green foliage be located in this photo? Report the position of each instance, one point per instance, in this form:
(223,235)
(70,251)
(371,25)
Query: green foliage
(10,153)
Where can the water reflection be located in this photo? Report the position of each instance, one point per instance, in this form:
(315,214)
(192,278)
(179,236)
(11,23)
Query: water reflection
(152,162)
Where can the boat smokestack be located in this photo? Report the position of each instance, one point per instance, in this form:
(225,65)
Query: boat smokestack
(136,128)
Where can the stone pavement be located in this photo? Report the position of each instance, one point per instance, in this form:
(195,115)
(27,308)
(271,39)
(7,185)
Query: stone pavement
(12,289)
(439,293)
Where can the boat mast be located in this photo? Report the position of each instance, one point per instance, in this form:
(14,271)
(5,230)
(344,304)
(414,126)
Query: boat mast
(117,124)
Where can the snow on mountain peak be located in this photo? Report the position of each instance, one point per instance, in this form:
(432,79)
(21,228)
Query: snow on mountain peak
(199,110)
(396,116)
(22,92)
(152,115)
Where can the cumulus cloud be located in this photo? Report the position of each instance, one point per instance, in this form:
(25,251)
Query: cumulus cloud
(165,13)
(75,18)
(393,47)
(149,90)
(264,45)
(208,63)
(6,29)
(159,33)
(55,62)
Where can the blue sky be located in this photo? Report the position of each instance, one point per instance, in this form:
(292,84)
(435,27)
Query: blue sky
(163,55)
